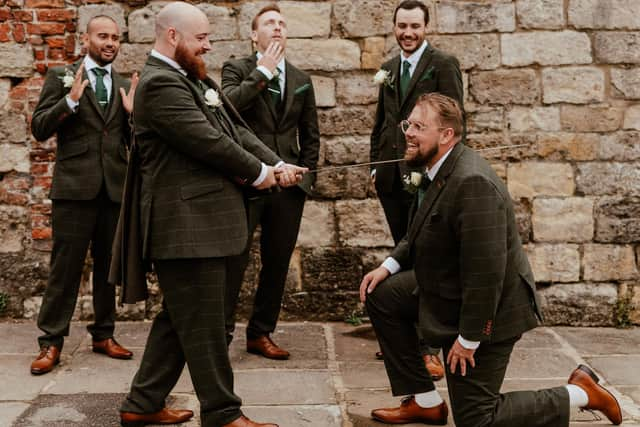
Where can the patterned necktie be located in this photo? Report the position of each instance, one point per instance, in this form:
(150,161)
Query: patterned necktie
(405,78)
(101,90)
(274,89)
(422,190)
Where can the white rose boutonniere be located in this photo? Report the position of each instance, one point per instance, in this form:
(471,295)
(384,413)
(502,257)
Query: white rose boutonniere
(212,98)
(412,182)
(68,78)
(383,77)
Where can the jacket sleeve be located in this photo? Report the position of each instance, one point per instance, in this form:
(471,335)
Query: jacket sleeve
(52,108)
(242,90)
(253,144)
(374,148)
(450,80)
(308,130)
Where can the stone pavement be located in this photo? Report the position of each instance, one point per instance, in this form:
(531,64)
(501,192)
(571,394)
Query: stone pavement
(331,380)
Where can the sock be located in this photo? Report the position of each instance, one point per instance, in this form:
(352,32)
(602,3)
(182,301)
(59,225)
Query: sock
(578,398)
(428,399)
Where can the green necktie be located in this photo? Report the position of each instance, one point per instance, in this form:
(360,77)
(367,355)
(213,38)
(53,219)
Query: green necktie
(274,89)
(101,90)
(422,190)
(405,78)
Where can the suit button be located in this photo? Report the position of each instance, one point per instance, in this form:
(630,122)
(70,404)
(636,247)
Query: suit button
(395,145)
(105,132)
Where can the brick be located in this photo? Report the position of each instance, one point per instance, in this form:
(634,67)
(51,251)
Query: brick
(598,118)
(604,14)
(505,87)
(18,32)
(23,15)
(56,54)
(41,233)
(5,32)
(563,220)
(609,262)
(475,17)
(55,42)
(5,14)
(531,179)
(545,48)
(540,14)
(29,4)
(56,15)
(617,47)
(45,29)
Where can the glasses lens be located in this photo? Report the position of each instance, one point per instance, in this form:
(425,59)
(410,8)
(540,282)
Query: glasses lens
(404,125)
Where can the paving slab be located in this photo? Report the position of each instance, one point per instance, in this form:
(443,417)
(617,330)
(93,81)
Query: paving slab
(355,342)
(133,335)
(632,391)
(22,337)
(10,411)
(296,416)
(592,341)
(525,363)
(539,338)
(617,369)
(363,374)
(16,381)
(284,387)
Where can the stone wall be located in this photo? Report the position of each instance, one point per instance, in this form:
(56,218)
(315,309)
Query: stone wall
(561,77)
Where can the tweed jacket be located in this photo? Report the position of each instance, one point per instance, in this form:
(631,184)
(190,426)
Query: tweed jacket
(293,132)
(473,275)
(436,72)
(192,157)
(91,143)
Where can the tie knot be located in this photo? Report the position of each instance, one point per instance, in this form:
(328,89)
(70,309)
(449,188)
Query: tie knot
(424,183)
(100,72)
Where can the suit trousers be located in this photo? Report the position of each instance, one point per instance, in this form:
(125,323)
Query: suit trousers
(475,399)
(189,329)
(396,206)
(77,224)
(279,215)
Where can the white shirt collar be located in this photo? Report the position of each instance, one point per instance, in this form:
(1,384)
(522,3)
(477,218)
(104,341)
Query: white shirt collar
(414,58)
(168,60)
(90,64)
(433,171)
(280,65)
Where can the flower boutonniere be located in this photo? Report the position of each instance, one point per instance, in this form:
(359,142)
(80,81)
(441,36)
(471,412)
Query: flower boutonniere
(68,78)
(384,77)
(412,182)
(212,99)
(428,75)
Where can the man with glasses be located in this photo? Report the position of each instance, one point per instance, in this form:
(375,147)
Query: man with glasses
(462,274)
(418,69)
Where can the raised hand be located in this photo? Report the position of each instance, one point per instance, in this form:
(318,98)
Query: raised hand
(77,88)
(127,98)
(272,56)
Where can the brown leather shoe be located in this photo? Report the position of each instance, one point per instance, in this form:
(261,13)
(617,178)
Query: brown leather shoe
(246,422)
(600,399)
(264,346)
(164,416)
(112,349)
(410,412)
(48,358)
(379,355)
(434,366)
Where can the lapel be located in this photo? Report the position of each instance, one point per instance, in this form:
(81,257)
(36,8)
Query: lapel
(221,112)
(434,190)
(291,84)
(116,100)
(394,69)
(424,62)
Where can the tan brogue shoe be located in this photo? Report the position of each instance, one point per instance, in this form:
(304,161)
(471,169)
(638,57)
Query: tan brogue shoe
(48,358)
(112,349)
(164,416)
(410,412)
(264,346)
(600,398)
(434,366)
(246,422)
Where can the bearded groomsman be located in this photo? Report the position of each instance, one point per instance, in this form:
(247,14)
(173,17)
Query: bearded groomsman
(86,106)
(277,100)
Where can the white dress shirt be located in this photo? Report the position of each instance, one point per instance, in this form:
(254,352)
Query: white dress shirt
(269,75)
(90,64)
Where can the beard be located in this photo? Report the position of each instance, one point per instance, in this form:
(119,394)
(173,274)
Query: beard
(419,160)
(191,63)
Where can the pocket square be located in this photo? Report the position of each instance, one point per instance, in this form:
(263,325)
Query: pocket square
(302,88)
(428,74)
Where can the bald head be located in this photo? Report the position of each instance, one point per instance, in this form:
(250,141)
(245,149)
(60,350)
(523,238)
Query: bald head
(178,15)
(181,25)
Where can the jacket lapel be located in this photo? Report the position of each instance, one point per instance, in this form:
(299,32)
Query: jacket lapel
(434,190)
(424,62)
(90,94)
(291,84)
(395,73)
(116,100)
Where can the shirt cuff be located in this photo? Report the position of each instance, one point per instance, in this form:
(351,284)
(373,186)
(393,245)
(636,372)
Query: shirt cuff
(280,163)
(373,173)
(391,265)
(71,103)
(264,70)
(262,176)
(469,345)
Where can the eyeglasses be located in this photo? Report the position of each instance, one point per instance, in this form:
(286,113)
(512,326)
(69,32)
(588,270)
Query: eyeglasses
(405,125)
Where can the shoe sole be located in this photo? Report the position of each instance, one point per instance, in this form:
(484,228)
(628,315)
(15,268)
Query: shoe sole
(423,421)
(36,372)
(259,353)
(132,423)
(100,351)
(595,379)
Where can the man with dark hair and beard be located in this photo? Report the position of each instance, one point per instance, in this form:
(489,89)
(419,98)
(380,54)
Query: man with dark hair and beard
(193,153)
(86,105)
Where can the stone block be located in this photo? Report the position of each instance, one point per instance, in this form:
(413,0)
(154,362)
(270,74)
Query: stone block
(372,53)
(324,305)
(620,146)
(604,14)
(142,22)
(363,18)
(362,223)
(347,149)
(14,157)
(580,304)
(325,55)
(505,87)
(602,263)
(5,87)
(132,57)
(318,224)
(346,120)
(356,89)
(224,50)
(14,129)
(527,119)
(617,47)
(522,210)
(576,85)
(222,20)
(611,178)
(596,118)
(113,10)
(331,269)
(13,228)
(324,90)
(568,146)
(554,263)
(17,59)
(531,179)
(343,183)
(31,307)
(617,219)
(298,14)
(545,48)
(474,51)
(632,118)
(625,82)
(563,220)
(475,17)
(481,118)
(540,14)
